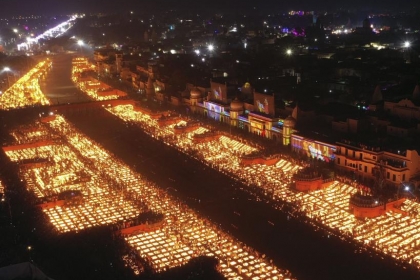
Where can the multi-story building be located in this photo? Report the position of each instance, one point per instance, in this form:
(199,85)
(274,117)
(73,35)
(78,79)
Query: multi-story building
(368,163)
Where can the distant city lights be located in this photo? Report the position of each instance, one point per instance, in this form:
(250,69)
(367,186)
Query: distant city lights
(54,32)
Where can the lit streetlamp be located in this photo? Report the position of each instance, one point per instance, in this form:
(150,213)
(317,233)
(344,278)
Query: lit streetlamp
(29,251)
(406,51)
(80,43)
(289,52)
(7,70)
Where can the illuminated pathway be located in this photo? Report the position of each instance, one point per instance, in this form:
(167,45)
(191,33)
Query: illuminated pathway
(26,91)
(392,234)
(95,89)
(112,193)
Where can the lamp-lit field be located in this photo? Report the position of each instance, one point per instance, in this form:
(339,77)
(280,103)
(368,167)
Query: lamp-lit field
(112,192)
(26,136)
(95,89)
(106,208)
(392,234)
(80,65)
(26,91)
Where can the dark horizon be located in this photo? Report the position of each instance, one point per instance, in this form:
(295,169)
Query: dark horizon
(54,7)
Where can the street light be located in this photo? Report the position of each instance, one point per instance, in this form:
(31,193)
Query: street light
(210,48)
(80,43)
(406,51)
(29,250)
(289,52)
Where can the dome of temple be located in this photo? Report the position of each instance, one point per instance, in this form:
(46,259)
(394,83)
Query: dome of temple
(289,121)
(236,105)
(195,93)
(247,85)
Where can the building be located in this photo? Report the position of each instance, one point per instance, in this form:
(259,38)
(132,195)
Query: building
(406,109)
(366,163)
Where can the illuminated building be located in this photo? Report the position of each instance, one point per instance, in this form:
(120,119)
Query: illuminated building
(216,110)
(257,118)
(236,109)
(262,118)
(364,162)
(360,161)
(288,125)
(195,98)
(313,149)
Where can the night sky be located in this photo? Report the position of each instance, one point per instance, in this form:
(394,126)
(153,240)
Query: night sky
(8,7)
